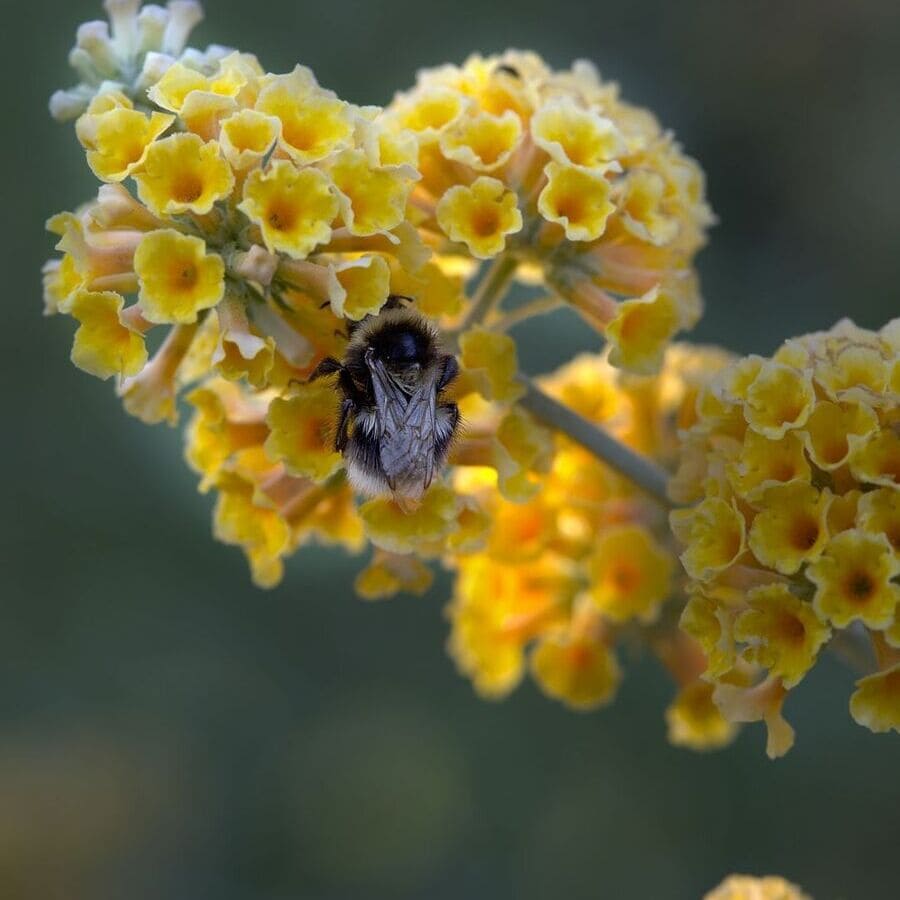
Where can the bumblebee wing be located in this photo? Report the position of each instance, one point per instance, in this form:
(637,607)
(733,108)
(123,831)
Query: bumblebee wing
(416,453)
(406,426)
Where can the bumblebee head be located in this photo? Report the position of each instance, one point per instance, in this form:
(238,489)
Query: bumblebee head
(402,342)
(399,336)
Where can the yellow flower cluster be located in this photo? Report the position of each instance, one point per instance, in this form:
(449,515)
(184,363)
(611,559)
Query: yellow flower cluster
(264,211)
(552,168)
(792,536)
(746,887)
(571,560)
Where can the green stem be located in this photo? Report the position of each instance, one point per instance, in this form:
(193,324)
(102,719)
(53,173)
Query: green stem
(644,473)
(539,307)
(490,291)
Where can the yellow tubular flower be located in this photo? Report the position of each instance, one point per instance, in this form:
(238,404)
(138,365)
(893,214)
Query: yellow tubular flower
(879,513)
(783,633)
(482,141)
(247,136)
(834,430)
(432,111)
(574,136)
(714,534)
(258,529)
(497,610)
(150,395)
(104,345)
(294,208)
(314,123)
(480,216)
(641,201)
(760,703)
(763,464)
(854,374)
(877,461)
(875,703)
(372,199)
(390,573)
(630,574)
(437,294)
(578,671)
(178,278)
(300,431)
(577,200)
(778,399)
(367,283)
(240,352)
(204,111)
(490,365)
(711,626)
(117,137)
(523,448)
(791,528)
(640,330)
(172,89)
(403,531)
(853,580)
(694,721)
(183,174)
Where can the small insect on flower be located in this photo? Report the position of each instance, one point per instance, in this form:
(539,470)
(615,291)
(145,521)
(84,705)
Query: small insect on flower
(395,428)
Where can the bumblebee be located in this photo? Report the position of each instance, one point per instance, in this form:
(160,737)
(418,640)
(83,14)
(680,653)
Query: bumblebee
(395,428)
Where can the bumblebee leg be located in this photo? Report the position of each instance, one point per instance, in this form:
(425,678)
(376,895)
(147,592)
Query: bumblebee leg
(327,366)
(450,371)
(342,434)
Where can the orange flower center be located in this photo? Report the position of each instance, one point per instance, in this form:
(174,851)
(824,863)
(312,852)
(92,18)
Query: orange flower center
(187,188)
(793,629)
(805,533)
(783,471)
(298,134)
(281,217)
(485,221)
(625,578)
(570,208)
(860,586)
(185,275)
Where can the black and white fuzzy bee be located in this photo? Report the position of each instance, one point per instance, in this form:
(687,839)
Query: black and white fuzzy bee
(394,428)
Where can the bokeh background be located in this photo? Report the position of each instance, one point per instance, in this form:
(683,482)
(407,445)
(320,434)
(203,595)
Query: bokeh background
(168,731)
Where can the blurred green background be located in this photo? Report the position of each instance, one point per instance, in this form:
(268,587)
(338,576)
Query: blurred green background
(168,731)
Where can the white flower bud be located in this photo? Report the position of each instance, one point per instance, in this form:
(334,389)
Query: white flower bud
(183,16)
(152,22)
(123,16)
(80,60)
(155,66)
(93,38)
(67,105)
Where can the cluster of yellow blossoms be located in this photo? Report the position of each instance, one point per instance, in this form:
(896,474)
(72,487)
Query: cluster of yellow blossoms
(553,170)
(793,467)
(580,561)
(746,887)
(254,218)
